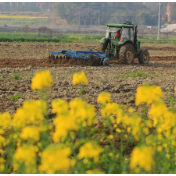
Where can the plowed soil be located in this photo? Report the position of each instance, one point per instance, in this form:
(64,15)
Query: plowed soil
(20,61)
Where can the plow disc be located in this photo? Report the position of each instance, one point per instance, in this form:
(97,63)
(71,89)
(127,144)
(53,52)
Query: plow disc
(85,58)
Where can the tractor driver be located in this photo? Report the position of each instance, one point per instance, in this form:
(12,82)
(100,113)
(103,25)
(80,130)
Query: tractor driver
(118,34)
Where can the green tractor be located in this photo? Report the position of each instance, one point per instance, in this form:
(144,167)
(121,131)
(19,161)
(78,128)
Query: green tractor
(124,47)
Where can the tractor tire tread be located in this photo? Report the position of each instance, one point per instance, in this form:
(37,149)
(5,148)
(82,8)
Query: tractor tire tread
(141,59)
(122,53)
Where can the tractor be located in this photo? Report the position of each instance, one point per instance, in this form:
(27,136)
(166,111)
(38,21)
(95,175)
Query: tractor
(124,48)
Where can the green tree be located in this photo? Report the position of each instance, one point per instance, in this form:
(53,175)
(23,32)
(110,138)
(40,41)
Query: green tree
(146,18)
(100,13)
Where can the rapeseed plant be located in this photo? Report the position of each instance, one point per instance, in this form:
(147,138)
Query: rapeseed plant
(25,155)
(30,133)
(59,106)
(79,78)
(148,94)
(90,150)
(142,157)
(79,139)
(5,121)
(32,112)
(104,97)
(55,159)
(41,80)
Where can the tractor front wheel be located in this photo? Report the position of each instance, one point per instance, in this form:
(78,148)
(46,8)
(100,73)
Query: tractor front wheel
(143,57)
(126,54)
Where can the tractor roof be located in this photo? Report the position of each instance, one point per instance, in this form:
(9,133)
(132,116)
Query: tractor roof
(120,25)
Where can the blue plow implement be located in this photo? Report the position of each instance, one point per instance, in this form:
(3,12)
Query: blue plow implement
(79,57)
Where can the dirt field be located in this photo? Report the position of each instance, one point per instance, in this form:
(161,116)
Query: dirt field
(20,61)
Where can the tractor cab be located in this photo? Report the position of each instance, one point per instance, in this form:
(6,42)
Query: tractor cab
(125,47)
(128,33)
(112,33)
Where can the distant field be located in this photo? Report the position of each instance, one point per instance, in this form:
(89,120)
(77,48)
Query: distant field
(72,37)
(23,20)
(33,37)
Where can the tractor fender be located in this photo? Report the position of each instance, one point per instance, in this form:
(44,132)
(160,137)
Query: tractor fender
(104,40)
(126,41)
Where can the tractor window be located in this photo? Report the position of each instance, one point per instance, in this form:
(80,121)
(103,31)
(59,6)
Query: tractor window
(107,34)
(111,33)
(125,33)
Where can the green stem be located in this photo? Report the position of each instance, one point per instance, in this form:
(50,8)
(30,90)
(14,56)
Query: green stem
(121,149)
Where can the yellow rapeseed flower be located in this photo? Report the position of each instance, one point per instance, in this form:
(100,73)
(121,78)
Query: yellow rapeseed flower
(162,118)
(118,130)
(79,113)
(167,156)
(64,124)
(5,120)
(30,133)
(156,112)
(146,130)
(142,157)
(159,148)
(148,94)
(110,109)
(2,131)
(26,155)
(90,150)
(56,159)
(135,124)
(110,136)
(79,78)
(32,112)
(2,165)
(104,97)
(168,121)
(59,106)
(41,80)
(1,151)
(82,111)
(130,110)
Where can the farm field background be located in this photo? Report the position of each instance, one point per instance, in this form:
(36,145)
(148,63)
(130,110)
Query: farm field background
(24,59)
(19,63)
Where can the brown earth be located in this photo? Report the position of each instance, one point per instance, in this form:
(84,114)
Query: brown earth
(20,61)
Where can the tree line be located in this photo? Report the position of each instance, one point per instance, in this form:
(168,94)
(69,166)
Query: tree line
(89,13)
(100,13)
(93,13)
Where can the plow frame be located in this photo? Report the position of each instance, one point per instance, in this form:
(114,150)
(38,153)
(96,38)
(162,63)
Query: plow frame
(86,55)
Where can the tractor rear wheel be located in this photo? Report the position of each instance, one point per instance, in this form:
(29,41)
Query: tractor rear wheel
(143,57)
(126,54)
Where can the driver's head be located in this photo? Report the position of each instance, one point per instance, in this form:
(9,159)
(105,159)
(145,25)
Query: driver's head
(118,33)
